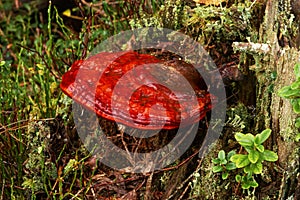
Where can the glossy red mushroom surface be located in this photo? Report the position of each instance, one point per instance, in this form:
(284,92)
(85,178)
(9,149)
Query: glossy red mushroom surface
(138,90)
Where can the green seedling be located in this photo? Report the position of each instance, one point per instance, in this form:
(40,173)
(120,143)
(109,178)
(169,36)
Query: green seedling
(246,181)
(252,161)
(292,91)
(223,164)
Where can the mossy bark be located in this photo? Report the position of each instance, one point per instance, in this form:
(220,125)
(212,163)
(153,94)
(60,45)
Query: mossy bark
(273,70)
(273,111)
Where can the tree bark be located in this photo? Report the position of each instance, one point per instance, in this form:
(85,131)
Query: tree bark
(275,112)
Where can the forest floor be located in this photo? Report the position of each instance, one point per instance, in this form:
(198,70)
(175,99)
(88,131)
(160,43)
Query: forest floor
(41,153)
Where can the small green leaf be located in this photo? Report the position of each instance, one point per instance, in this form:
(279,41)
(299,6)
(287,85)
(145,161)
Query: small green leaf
(240,160)
(216,161)
(270,156)
(221,155)
(223,162)
(296,105)
(263,136)
(248,149)
(295,85)
(238,178)
(248,181)
(248,169)
(253,156)
(283,91)
(225,175)
(2,62)
(288,92)
(256,168)
(260,148)
(245,139)
(297,138)
(297,123)
(231,153)
(217,168)
(253,184)
(230,166)
(245,185)
(297,70)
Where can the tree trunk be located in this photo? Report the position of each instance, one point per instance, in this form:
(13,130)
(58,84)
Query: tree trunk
(275,112)
(273,69)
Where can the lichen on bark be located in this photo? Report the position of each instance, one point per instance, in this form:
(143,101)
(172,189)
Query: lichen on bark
(277,112)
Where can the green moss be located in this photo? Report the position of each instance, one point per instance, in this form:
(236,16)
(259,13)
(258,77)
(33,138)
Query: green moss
(38,168)
(205,184)
(170,15)
(220,23)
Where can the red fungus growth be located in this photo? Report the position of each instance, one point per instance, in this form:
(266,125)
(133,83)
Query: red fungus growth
(138,90)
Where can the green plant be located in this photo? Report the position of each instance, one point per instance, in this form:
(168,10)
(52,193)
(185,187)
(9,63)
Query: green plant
(292,92)
(297,125)
(38,45)
(252,161)
(247,181)
(223,164)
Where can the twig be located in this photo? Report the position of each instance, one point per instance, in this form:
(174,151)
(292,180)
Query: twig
(183,193)
(182,163)
(93,5)
(148,187)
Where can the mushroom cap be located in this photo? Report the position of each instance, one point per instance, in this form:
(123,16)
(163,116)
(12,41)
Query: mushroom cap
(138,90)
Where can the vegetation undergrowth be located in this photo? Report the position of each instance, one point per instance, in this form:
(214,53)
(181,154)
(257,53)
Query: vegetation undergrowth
(36,49)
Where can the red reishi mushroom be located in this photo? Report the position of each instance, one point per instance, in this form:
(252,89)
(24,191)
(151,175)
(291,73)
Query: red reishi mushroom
(138,90)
